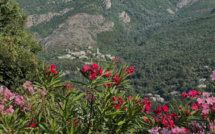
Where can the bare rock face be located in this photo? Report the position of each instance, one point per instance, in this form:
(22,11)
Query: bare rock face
(66,0)
(80,29)
(124,17)
(53,2)
(184,3)
(170,11)
(107,4)
(34,20)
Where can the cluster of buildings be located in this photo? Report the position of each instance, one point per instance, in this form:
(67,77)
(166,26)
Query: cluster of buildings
(85,55)
(155,97)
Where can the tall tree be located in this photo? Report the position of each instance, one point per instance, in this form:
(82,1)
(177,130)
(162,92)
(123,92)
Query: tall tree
(18,51)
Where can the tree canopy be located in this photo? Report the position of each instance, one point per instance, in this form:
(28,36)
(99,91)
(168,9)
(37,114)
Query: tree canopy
(18,51)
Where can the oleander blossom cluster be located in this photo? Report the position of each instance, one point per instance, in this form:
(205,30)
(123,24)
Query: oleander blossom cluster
(33,90)
(67,87)
(92,71)
(196,105)
(165,119)
(102,107)
(206,105)
(33,123)
(10,101)
(50,69)
(118,102)
(176,130)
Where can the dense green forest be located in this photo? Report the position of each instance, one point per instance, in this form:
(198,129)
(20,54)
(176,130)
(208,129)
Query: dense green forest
(170,52)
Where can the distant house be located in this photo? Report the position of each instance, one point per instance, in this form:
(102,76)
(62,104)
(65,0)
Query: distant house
(68,56)
(148,94)
(83,57)
(160,99)
(153,98)
(174,92)
(202,79)
(157,96)
(87,63)
(202,86)
(205,67)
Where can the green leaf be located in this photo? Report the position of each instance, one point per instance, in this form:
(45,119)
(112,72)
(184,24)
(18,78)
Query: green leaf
(5,129)
(120,123)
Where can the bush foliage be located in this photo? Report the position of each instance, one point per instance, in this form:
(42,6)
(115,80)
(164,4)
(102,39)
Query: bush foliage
(48,106)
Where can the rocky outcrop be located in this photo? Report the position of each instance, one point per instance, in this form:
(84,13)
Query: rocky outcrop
(34,20)
(79,29)
(170,11)
(107,4)
(66,0)
(184,3)
(53,2)
(124,17)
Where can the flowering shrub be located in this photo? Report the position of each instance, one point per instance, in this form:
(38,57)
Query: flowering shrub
(49,106)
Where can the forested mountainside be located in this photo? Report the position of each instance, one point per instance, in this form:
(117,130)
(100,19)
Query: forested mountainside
(169,42)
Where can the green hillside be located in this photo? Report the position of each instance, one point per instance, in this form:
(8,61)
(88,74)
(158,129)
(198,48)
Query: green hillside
(169,46)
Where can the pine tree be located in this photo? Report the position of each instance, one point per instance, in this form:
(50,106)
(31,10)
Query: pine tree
(18,51)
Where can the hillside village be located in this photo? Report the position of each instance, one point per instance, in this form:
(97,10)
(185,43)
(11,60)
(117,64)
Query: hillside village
(71,55)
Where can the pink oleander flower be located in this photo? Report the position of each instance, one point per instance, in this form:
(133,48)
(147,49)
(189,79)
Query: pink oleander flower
(1,90)
(147,109)
(116,106)
(108,73)
(154,130)
(100,72)
(212,126)
(165,122)
(178,130)
(114,98)
(165,108)
(210,100)
(174,115)
(92,98)
(85,68)
(116,79)
(27,83)
(1,108)
(94,66)
(205,106)
(129,97)
(166,131)
(19,100)
(130,70)
(41,91)
(184,95)
(146,119)
(4,101)
(213,75)
(196,127)
(200,101)
(8,94)
(108,85)
(31,89)
(205,111)
(194,93)
(204,116)
(194,107)
(53,66)
(53,69)
(92,76)
(10,110)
